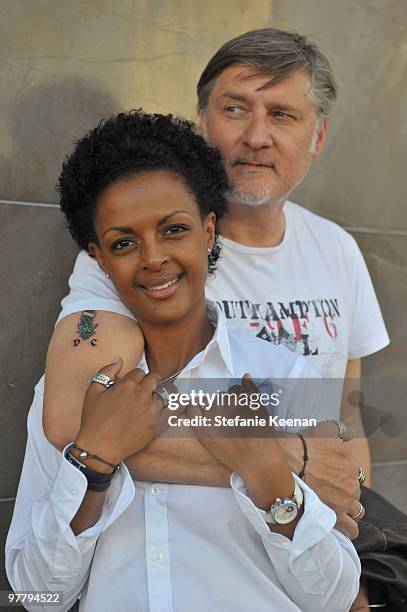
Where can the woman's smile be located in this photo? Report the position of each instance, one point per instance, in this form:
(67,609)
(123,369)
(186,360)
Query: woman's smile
(162,288)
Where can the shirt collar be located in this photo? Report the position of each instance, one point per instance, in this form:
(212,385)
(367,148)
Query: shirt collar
(219,341)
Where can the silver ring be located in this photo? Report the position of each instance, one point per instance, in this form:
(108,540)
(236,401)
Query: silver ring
(362,476)
(103,379)
(163,395)
(342,429)
(360,514)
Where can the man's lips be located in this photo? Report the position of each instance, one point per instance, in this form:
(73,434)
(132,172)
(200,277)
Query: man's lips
(253,165)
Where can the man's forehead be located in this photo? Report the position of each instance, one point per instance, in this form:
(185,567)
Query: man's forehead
(239,78)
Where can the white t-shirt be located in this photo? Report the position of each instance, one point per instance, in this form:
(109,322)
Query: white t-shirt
(311,293)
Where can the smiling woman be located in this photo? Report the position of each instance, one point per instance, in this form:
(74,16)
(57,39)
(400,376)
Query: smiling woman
(142,194)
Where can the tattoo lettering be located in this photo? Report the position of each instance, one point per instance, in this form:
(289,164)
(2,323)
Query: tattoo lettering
(86,328)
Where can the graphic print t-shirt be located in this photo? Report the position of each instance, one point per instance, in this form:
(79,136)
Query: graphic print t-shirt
(312,293)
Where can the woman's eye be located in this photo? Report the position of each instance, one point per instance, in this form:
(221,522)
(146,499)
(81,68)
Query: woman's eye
(122,244)
(176,229)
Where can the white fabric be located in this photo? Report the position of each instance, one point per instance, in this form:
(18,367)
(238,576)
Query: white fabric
(311,293)
(176,548)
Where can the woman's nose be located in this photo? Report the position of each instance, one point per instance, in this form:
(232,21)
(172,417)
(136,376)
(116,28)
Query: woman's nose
(154,257)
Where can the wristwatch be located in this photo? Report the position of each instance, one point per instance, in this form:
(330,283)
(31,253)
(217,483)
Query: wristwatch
(284,510)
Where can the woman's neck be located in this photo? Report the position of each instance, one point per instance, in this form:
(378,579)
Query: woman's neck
(169,348)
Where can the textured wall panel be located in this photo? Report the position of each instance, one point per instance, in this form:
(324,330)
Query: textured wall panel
(37,255)
(64,65)
(360,179)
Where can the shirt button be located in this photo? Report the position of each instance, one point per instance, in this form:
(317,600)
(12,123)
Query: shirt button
(155,490)
(158,556)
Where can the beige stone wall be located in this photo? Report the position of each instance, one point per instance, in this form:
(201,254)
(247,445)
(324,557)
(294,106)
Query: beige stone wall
(67,63)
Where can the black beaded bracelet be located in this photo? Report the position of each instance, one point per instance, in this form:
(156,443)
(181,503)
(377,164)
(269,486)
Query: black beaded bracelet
(97,481)
(84,454)
(305,458)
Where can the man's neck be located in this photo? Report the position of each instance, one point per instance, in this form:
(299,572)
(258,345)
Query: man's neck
(258,226)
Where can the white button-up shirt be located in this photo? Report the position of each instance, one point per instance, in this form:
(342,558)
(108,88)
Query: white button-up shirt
(176,548)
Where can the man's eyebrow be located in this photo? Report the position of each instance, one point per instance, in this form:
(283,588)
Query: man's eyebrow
(123,229)
(234,96)
(284,107)
(241,98)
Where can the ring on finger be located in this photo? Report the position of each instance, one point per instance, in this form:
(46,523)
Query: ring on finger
(342,429)
(102,379)
(361,476)
(164,396)
(359,515)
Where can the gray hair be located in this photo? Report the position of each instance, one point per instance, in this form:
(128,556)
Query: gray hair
(277,53)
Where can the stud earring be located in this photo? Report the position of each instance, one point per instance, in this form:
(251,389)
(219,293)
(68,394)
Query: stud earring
(107,274)
(209,250)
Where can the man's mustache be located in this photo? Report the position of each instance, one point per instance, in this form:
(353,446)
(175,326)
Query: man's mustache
(257,160)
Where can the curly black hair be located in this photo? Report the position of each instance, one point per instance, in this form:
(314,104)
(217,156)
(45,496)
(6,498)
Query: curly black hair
(126,144)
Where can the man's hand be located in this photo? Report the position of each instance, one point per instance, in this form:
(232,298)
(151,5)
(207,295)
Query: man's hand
(331,471)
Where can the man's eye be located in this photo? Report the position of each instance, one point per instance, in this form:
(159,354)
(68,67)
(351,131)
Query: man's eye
(123,243)
(233,110)
(176,229)
(282,115)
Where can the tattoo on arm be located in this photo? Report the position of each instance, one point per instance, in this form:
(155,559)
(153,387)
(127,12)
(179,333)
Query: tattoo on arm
(86,328)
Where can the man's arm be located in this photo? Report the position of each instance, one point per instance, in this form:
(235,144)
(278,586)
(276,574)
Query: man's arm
(350,414)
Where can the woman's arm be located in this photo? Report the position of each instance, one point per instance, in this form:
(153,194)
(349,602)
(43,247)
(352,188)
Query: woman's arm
(70,365)
(68,371)
(42,551)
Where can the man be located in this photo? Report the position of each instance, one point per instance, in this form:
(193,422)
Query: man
(286,275)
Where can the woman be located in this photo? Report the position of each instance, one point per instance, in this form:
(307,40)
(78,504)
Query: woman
(142,194)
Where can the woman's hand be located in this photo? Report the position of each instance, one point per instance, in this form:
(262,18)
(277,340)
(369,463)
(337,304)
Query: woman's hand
(120,421)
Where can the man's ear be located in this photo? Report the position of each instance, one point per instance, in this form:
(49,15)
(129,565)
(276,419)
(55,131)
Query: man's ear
(201,123)
(321,136)
(210,228)
(94,250)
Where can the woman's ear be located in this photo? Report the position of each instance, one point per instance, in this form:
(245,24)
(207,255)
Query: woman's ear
(210,229)
(94,250)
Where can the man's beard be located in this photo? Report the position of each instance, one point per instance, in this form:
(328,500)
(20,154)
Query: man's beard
(253,198)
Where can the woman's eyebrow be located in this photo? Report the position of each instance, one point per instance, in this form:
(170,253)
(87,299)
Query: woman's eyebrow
(174,212)
(124,229)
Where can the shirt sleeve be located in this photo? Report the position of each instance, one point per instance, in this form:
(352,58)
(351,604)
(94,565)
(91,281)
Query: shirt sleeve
(42,552)
(319,568)
(90,289)
(368,332)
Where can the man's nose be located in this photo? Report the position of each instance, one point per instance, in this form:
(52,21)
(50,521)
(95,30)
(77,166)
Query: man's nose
(257,134)
(154,256)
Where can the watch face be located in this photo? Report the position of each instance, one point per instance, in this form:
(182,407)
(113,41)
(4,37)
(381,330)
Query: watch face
(286,512)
